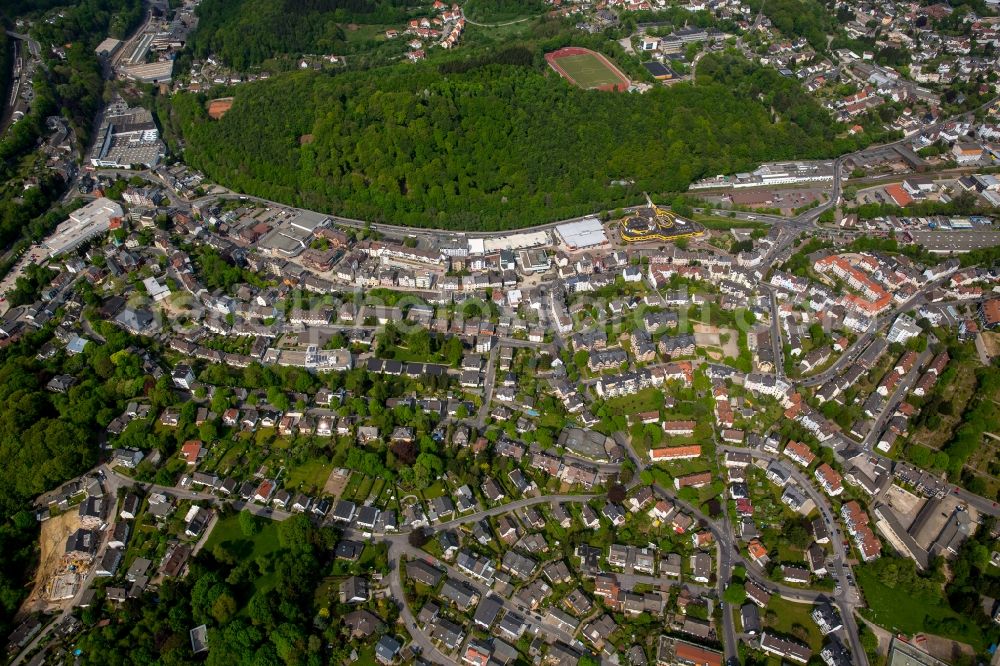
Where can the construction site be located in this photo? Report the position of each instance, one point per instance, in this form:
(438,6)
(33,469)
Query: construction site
(59,574)
(923,528)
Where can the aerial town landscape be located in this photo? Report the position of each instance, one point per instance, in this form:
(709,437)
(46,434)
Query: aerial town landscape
(500,332)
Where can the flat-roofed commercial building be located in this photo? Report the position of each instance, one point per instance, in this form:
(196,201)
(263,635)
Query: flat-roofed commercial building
(588,232)
(84,224)
(902,653)
(152,72)
(127,137)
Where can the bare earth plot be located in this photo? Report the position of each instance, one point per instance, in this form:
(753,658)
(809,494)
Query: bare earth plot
(991,342)
(336,482)
(711,336)
(51,565)
(944,648)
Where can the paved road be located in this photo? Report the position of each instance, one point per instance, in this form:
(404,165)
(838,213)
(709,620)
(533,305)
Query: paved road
(399,547)
(729,625)
(629,581)
(428,650)
(858,346)
(13,94)
(511,506)
(848,598)
(777,349)
(804,221)
(110,488)
(727,553)
(902,389)
(398,229)
(33,47)
(725,547)
(489,382)
(532,619)
(726,557)
(740,215)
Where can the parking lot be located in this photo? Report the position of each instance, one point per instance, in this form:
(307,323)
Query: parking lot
(950,314)
(956,241)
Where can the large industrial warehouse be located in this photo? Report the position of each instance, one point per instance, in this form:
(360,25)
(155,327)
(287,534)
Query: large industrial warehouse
(579,235)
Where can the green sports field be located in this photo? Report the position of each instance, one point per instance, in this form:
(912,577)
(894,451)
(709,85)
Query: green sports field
(588,71)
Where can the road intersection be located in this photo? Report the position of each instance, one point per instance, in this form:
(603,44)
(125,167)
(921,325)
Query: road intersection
(847,599)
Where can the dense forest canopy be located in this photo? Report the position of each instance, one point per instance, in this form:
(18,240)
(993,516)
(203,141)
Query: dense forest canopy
(247,32)
(6,59)
(501,10)
(47,438)
(72,87)
(495,146)
(261,608)
(88,20)
(799,18)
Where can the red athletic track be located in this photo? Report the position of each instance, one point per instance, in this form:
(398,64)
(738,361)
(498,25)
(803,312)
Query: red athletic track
(552,59)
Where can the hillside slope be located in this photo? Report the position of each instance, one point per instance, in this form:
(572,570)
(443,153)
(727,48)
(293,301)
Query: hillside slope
(496,147)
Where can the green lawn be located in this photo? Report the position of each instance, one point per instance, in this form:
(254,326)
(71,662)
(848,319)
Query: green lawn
(646,400)
(228,530)
(362,490)
(363,33)
(588,71)
(685,467)
(921,612)
(264,436)
(146,542)
(232,455)
(501,12)
(352,485)
(388,493)
(723,223)
(789,553)
(311,474)
(790,613)
(436,489)
(366,656)
(281,443)
(552,420)
(327,592)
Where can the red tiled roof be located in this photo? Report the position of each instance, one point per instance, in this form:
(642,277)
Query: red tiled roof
(898,194)
(670,452)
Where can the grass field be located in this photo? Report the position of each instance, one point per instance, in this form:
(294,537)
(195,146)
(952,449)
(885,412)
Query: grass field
(377,488)
(351,489)
(436,489)
(646,400)
(790,614)
(228,460)
(358,488)
(922,612)
(228,529)
(959,391)
(491,11)
(588,71)
(718,223)
(362,33)
(313,474)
